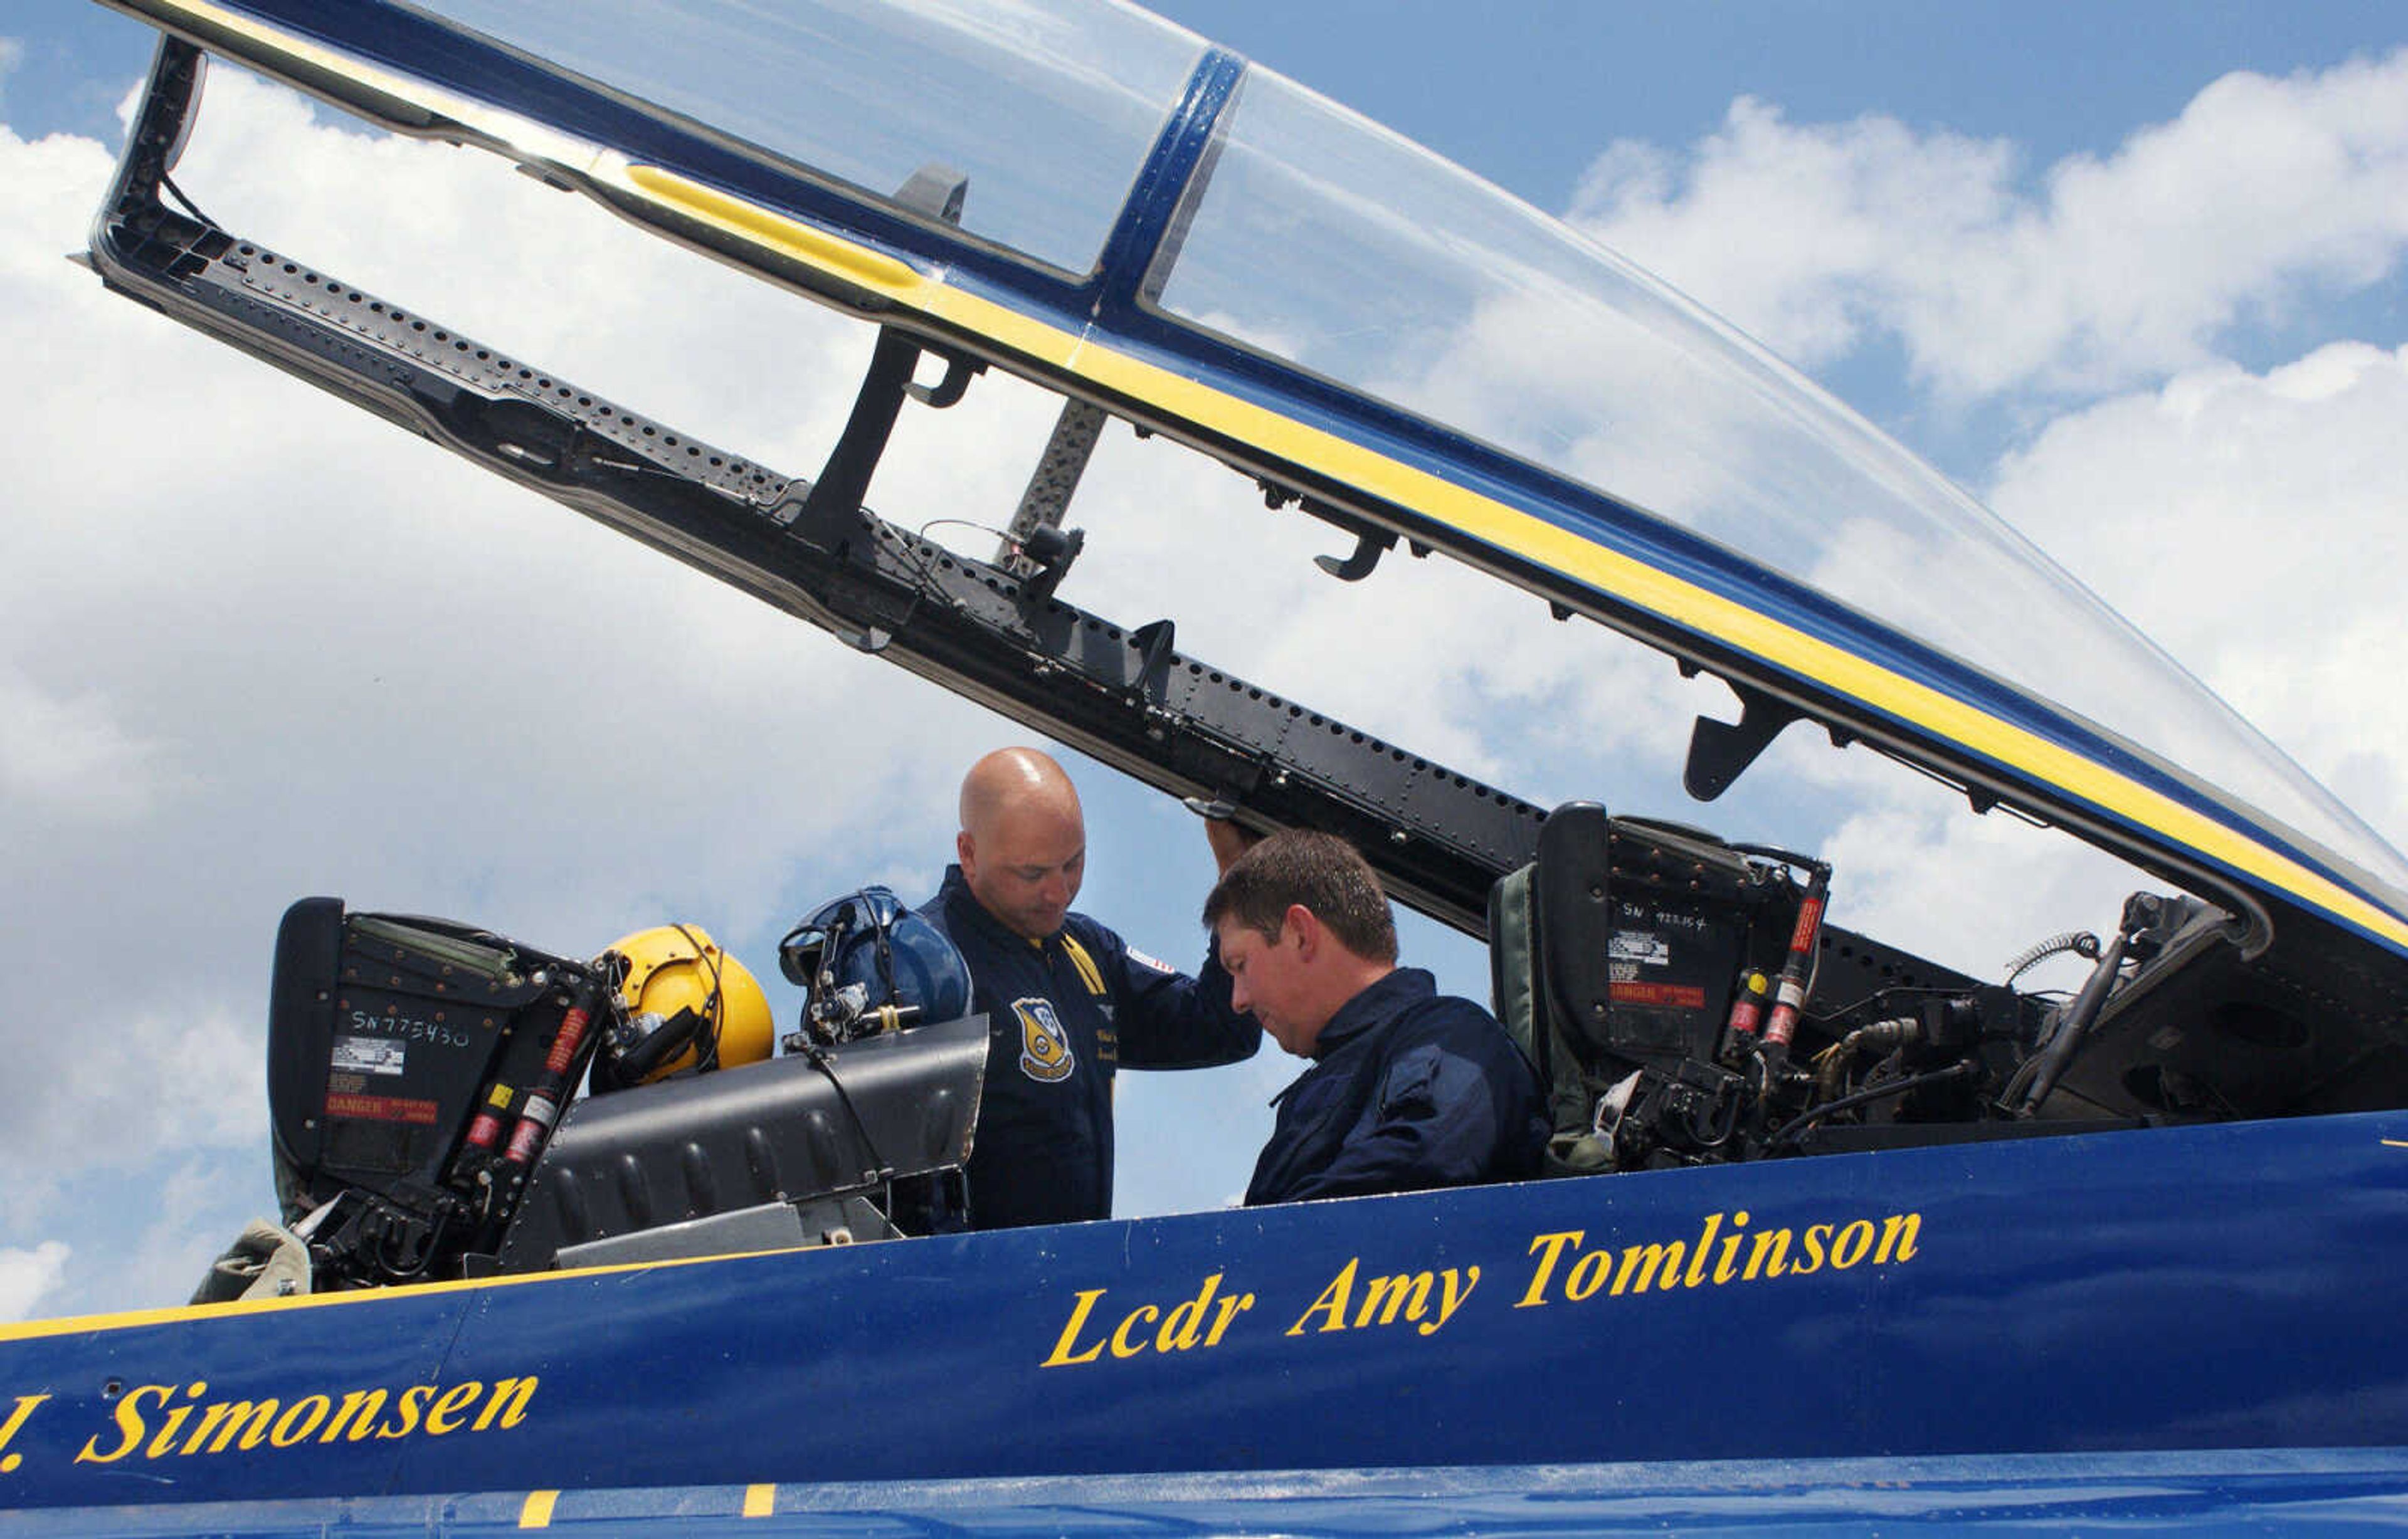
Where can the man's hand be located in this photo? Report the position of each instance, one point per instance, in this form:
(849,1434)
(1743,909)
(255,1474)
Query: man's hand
(1228,840)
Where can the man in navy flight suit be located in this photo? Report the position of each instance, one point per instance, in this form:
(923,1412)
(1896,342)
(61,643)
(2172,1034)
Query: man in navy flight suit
(1408,1089)
(1066,1001)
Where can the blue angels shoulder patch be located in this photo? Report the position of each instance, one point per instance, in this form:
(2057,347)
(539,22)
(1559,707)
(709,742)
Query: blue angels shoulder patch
(1044,1046)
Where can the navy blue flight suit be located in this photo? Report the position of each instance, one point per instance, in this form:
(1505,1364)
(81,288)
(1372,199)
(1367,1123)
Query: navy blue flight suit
(1409,1090)
(1062,1015)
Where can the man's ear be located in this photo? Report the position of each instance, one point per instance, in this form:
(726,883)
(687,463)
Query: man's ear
(1300,925)
(964,851)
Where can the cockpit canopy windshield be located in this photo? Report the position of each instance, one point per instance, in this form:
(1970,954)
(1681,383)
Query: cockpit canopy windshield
(1319,239)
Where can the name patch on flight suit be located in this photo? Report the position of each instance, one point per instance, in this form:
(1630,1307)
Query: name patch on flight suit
(1045,1053)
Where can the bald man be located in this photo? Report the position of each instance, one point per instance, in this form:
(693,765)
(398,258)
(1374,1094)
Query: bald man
(1068,1002)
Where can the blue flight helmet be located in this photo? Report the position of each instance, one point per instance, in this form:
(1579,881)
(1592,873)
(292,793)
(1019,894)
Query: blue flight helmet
(869,964)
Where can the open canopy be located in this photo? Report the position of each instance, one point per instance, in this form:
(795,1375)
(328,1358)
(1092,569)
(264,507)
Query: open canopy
(1093,197)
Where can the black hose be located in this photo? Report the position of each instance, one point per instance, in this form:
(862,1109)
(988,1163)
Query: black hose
(880,1169)
(2082,942)
(2072,1028)
(1790,1131)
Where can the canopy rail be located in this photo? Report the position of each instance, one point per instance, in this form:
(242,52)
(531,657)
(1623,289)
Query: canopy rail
(1123,694)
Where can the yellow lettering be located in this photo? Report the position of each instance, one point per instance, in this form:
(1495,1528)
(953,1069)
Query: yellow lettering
(358,1408)
(1815,1235)
(1588,1274)
(219,1426)
(25,1405)
(1855,1240)
(1450,1301)
(288,1432)
(1898,1231)
(1650,1260)
(508,1401)
(406,1411)
(1229,1309)
(1408,1293)
(1061,1355)
(226,1417)
(1537,1292)
(1332,1303)
(1697,1273)
(1121,1345)
(1182,1328)
(444,1417)
(1772,1242)
(1731,1250)
(130,1428)
(165,1443)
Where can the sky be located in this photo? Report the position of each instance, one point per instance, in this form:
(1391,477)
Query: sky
(2131,274)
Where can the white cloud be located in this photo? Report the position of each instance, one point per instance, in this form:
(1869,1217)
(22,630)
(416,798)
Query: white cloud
(2234,517)
(2218,510)
(2261,195)
(1800,235)
(160,1083)
(196,1213)
(1915,869)
(72,759)
(2248,522)
(28,1277)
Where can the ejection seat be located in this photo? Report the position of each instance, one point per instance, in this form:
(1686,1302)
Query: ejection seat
(389,1036)
(1550,931)
(1615,958)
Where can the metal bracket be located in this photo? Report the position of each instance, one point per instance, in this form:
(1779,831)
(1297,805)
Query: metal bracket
(831,513)
(1155,644)
(1721,751)
(1371,541)
(957,382)
(1370,546)
(1047,497)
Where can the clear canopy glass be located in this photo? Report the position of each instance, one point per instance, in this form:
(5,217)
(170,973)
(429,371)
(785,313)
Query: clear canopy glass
(1049,109)
(1408,278)
(1325,240)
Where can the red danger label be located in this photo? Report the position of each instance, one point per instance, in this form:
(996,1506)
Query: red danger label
(382,1108)
(1675,996)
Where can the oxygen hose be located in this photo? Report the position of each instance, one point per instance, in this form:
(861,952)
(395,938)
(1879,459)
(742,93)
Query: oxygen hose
(1791,1131)
(2071,1027)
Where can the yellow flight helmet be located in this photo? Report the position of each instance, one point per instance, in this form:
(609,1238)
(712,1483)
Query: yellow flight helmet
(684,1003)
